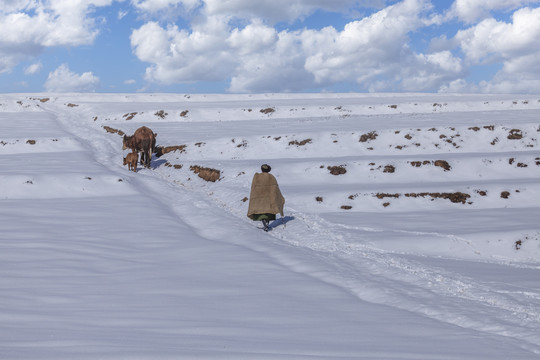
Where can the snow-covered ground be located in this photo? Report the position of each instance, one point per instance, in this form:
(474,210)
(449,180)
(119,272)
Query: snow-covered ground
(425,244)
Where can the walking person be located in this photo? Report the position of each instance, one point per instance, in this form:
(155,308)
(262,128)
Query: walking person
(265,199)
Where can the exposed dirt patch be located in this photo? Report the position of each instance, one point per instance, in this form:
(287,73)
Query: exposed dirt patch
(389,169)
(443,164)
(129,116)
(162,150)
(267,111)
(386,195)
(346,207)
(515,134)
(161,114)
(372,135)
(457,197)
(208,174)
(420,163)
(337,170)
(113,131)
(300,143)
(176,166)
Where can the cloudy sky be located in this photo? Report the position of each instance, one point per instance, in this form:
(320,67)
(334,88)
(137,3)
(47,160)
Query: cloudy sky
(254,46)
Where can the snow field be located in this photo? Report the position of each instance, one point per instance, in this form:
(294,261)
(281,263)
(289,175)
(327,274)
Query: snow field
(99,262)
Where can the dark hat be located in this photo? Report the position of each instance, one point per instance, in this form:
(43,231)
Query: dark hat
(266,168)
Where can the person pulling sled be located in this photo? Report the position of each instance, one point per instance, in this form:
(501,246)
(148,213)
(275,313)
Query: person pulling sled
(265,199)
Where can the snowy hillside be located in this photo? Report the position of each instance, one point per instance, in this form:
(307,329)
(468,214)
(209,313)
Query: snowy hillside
(410,230)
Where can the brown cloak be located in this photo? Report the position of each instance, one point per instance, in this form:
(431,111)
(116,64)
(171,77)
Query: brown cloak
(265,197)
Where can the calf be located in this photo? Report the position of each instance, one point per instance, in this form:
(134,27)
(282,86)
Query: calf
(131,161)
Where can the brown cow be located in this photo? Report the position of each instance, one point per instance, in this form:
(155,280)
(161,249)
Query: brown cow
(143,140)
(131,161)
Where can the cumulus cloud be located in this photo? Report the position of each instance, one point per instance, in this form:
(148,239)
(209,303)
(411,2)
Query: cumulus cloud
(516,45)
(471,11)
(28,27)
(257,58)
(64,80)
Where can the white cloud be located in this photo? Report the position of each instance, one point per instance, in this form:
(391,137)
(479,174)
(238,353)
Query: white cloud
(507,40)
(282,10)
(179,56)
(64,80)
(471,11)
(256,58)
(516,45)
(28,27)
(153,6)
(33,69)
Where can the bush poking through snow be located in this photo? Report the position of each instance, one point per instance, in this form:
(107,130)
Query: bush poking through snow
(208,174)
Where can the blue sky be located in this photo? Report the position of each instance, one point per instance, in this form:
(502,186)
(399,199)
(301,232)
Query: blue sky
(253,46)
